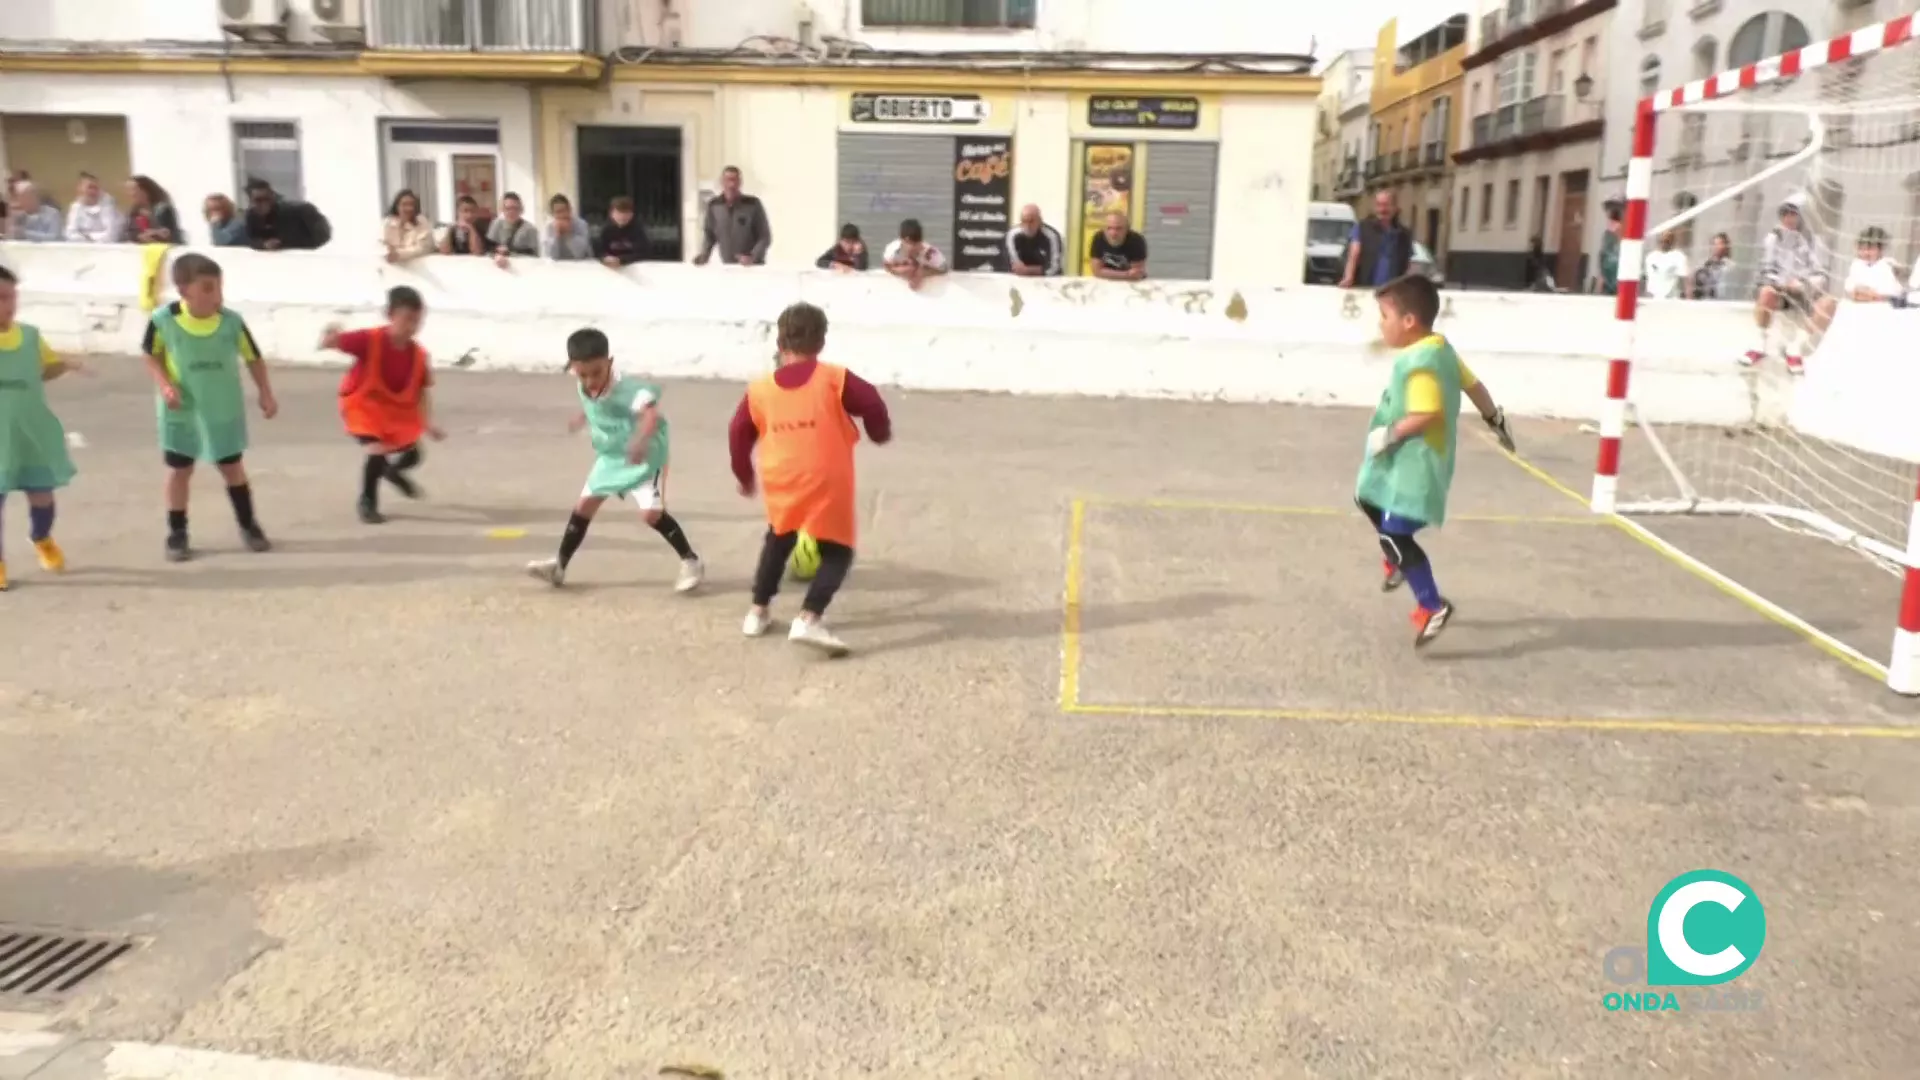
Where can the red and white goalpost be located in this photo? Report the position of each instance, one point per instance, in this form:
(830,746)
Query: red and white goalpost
(1834,127)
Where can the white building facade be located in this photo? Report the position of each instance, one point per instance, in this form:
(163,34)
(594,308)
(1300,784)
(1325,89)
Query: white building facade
(1524,182)
(1340,133)
(344,103)
(1867,175)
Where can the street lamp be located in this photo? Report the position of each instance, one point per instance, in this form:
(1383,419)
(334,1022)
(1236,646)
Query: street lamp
(1583,85)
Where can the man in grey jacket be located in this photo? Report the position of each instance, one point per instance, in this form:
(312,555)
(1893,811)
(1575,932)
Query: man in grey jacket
(736,223)
(32,220)
(1793,279)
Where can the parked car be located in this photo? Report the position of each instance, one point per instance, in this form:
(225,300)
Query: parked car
(1329,228)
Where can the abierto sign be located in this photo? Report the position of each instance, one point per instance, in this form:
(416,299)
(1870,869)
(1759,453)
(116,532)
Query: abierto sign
(918,109)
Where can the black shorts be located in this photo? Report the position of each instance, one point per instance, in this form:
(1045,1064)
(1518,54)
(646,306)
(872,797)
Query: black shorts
(182,461)
(1800,300)
(368,440)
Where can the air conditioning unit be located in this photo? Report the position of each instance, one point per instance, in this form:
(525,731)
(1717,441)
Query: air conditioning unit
(340,21)
(255,20)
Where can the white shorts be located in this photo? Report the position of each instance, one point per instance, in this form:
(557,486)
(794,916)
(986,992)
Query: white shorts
(649,496)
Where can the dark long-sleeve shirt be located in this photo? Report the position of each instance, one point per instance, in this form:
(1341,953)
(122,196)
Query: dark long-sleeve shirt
(857,396)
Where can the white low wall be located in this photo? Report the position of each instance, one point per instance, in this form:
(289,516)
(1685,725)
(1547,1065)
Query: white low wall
(1543,355)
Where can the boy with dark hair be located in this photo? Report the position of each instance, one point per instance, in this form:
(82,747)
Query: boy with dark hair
(630,450)
(386,398)
(33,445)
(194,348)
(623,239)
(1408,471)
(801,417)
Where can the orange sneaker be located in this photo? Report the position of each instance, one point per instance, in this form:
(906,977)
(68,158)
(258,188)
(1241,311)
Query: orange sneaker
(3,577)
(52,559)
(1428,624)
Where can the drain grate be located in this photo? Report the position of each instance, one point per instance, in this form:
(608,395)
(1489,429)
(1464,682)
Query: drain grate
(40,963)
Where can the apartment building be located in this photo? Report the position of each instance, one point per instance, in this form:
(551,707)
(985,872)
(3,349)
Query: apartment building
(1525,182)
(1415,125)
(1869,177)
(1340,129)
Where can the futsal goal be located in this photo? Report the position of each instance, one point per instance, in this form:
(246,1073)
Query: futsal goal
(1820,432)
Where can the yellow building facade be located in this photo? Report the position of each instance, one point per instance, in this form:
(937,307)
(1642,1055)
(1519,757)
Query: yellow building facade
(1416,126)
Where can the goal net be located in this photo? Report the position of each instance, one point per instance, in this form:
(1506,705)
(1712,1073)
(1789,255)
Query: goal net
(1786,193)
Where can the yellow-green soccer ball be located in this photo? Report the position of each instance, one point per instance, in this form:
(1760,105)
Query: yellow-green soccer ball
(805,560)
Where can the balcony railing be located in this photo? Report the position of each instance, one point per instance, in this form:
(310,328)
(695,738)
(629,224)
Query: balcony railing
(1376,166)
(949,14)
(1434,154)
(535,26)
(1549,112)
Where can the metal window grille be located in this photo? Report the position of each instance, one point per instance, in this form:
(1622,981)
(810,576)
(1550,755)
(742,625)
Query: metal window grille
(559,26)
(268,150)
(971,14)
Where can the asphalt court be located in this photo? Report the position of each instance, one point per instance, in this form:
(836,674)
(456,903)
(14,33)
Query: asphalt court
(1564,620)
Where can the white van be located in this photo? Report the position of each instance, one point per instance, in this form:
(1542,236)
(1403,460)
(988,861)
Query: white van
(1329,228)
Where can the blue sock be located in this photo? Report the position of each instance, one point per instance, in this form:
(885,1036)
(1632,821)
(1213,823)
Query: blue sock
(1420,580)
(40,522)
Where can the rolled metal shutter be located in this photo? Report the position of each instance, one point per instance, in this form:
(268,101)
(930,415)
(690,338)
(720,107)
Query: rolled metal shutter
(1180,244)
(885,179)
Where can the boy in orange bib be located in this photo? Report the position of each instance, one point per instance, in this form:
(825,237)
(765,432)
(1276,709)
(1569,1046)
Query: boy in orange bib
(801,418)
(385,398)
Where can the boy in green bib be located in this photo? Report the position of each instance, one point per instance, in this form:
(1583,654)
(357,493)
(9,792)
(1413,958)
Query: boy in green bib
(33,445)
(629,435)
(1408,470)
(195,348)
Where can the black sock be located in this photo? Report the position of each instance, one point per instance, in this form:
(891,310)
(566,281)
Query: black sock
(407,459)
(670,529)
(370,475)
(570,540)
(176,523)
(241,495)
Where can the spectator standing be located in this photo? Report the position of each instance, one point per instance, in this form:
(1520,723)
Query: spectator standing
(1872,278)
(912,258)
(92,219)
(280,224)
(736,223)
(847,256)
(566,238)
(1667,273)
(151,218)
(467,236)
(622,240)
(511,233)
(1034,248)
(31,220)
(1379,249)
(224,223)
(1118,253)
(405,233)
(1608,283)
(1710,281)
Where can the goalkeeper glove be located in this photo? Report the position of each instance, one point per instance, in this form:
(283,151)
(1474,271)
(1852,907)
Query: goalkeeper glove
(1498,422)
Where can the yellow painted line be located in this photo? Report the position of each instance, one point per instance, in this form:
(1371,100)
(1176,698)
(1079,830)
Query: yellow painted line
(1070,613)
(1747,597)
(1325,511)
(1667,725)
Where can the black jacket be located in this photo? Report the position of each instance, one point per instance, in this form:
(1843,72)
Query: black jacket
(1398,243)
(628,242)
(299,226)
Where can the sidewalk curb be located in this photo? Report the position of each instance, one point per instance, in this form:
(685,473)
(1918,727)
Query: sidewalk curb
(36,1055)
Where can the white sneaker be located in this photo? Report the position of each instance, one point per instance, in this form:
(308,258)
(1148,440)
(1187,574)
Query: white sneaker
(549,571)
(815,635)
(756,623)
(692,573)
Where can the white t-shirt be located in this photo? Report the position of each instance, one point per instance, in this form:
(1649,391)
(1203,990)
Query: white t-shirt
(1665,271)
(1877,277)
(929,259)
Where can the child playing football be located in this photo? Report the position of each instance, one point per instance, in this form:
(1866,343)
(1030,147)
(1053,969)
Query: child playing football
(1408,470)
(386,399)
(33,445)
(630,447)
(195,348)
(802,419)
